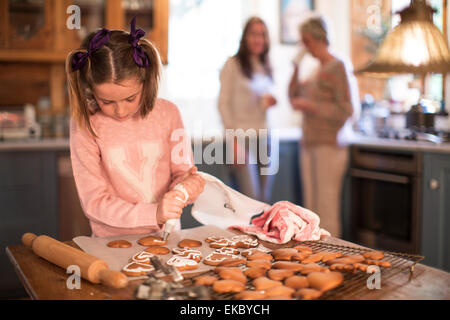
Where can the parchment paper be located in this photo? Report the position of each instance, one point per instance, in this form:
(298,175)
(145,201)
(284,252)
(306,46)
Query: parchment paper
(117,258)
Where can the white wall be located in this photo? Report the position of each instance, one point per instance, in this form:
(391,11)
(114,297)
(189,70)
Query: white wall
(204,111)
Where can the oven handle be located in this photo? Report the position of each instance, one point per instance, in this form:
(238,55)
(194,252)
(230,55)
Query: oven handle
(374,175)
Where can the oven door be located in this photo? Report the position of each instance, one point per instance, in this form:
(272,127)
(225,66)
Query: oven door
(385,210)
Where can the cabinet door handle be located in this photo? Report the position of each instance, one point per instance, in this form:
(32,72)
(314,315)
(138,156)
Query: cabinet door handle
(434,184)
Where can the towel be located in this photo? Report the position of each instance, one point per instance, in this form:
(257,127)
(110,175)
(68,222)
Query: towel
(283,222)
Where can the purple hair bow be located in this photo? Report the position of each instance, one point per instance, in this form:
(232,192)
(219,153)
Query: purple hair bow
(139,55)
(100,39)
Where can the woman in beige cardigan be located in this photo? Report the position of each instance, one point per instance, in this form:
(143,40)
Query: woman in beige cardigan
(245,86)
(327,100)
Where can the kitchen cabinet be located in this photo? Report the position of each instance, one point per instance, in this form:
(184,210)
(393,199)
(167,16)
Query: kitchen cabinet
(35,41)
(436,210)
(28,203)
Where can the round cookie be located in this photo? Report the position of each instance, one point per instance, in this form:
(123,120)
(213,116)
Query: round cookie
(279,291)
(152,241)
(284,254)
(232,274)
(380,263)
(119,244)
(255,272)
(214,259)
(188,253)
(250,295)
(189,243)
(356,258)
(304,249)
(232,262)
(157,250)
(135,269)
(142,257)
(260,256)
(331,255)
(296,282)
(373,255)
(227,250)
(342,267)
(182,263)
(224,286)
(294,266)
(205,280)
(313,258)
(264,283)
(259,263)
(308,294)
(244,241)
(300,256)
(325,281)
(279,274)
(312,267)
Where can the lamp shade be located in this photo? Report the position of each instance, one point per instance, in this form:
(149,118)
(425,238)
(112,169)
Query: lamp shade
(416,46)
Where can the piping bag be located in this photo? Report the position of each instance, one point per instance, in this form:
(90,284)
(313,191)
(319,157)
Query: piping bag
(218,205)
(171,223)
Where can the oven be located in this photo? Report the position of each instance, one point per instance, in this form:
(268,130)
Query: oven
(385,199)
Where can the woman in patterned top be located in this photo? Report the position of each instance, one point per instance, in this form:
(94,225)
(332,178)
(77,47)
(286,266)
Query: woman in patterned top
(328,99)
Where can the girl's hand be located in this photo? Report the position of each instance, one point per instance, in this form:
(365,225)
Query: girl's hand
(169,207)
(193,183)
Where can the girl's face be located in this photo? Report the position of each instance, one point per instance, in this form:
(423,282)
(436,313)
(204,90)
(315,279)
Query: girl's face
(120,101)
(256,38)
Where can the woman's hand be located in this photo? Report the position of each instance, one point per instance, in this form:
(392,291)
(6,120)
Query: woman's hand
(268,101)
(193,183)
(302,104)
(170,207)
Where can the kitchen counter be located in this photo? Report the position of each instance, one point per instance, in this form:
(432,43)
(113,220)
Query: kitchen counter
(44,280)
(284,135)
(35,144)
(406,145)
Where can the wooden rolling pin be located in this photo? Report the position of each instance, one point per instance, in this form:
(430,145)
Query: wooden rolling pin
(63,255)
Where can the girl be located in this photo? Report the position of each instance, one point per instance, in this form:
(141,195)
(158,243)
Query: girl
(327,100)
(246,83)
(122,145)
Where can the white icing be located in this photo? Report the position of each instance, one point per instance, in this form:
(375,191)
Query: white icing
(142,257)
(220,257)
(187,253)
(226,250)
(245,239)
(178,261)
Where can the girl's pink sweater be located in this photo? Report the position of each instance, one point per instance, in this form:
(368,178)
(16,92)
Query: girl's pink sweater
(123,173)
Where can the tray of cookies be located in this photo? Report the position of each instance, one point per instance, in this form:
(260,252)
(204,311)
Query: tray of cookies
(308,270)
(190,250)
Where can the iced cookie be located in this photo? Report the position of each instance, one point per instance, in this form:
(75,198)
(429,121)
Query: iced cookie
(142,257)
(152,241)
(182,263)
(188,253)
(135,269)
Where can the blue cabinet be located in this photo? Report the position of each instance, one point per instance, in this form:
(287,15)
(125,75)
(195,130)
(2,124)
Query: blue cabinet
(436,210)
(28,203)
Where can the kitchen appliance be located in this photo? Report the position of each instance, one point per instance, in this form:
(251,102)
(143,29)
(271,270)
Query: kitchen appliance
(418,118)
(385,202)
(19,123)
